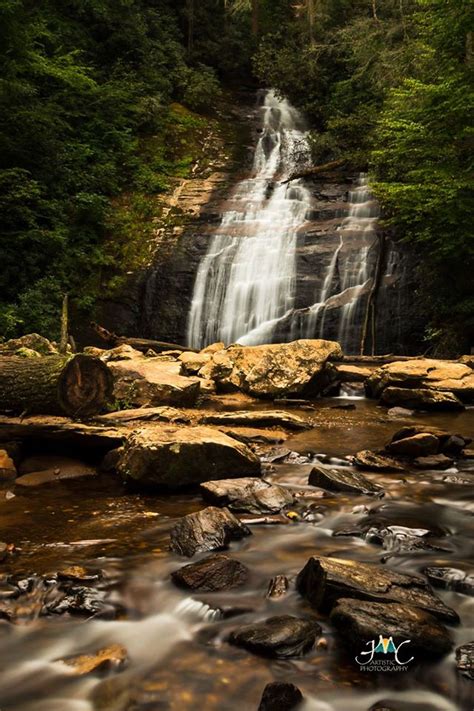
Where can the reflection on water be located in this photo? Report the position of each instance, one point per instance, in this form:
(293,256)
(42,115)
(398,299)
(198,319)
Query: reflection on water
(178,654)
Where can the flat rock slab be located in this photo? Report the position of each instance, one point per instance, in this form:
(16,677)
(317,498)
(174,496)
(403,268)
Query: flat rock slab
(273,370)
(171,457)
(143,414)
(343,480)
(254,435)
(280,696)
(206,530)
(435,461)
(249,494)
(217,572)
(255,418)
(361,621)
(450,579)
(153,381)
(323,581)
(373,461)
(283,636)
(421,399)
(465,660)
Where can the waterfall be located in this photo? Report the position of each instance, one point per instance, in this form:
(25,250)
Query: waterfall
(347,292)
(245,284)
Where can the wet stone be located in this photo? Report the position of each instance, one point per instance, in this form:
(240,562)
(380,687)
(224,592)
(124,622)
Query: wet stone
(108,659)
(372,461)
(324,580)
(465,660)
(209,529)
(419,445)
(278,587)
(78,574)
(217,572)
(280,696)
(344,479)
(82,601)
(401,539)
(450,579)
(250,494)
(435,461)
(361,621)
(283,636)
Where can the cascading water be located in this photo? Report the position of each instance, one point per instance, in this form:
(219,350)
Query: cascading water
(354,279)
(246,282)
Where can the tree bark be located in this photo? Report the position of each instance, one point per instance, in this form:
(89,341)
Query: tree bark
(315,170)
(255,18)
(78,386)
(64,325)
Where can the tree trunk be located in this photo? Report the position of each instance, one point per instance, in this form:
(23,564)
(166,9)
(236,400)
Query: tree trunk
(78,386)
(310,11)
(255,18)
(190,13)
(64,325)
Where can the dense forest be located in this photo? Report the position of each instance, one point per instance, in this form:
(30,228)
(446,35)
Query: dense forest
(103,103)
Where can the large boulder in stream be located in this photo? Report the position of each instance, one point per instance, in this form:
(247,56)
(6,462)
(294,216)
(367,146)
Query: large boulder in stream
(360,622)
(421,399)
(206,530)
(280,696)
(274,370)
(216,572)
(283,636)
(323,581)
(152,381)
(250,494)
(343,479)
(171,457)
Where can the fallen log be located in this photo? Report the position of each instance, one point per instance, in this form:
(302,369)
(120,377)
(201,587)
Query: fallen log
(140,344)
(315,170)
(78,385)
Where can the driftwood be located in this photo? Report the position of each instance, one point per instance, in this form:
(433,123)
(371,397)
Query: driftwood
(78,385)
(315,170)
(140,344)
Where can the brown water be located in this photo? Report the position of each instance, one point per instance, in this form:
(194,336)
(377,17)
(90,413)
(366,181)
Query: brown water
(179,657)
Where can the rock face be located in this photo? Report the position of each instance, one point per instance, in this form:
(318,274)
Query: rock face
(253,418)
(282,637)
(324,580)
(171,457)
(280,696)
(421,399)
(273,370)
(206,530)
(152,381)
(217,572)
(251,495)
(360,621)
(343,480)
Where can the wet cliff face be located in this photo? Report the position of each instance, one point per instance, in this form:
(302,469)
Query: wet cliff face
(167,290)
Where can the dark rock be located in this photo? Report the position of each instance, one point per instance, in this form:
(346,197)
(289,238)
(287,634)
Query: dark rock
(402,705)
(362,621)
(420,445)
(455,444)
(206,530)
(450,579)
(217,572)
(421,399)
(372,461)
(435,461)
(248,494)
(283,636)
(83,602)
(401,539)
(343,480)
(465,660)
(280,696)
(278,586)
(324,580)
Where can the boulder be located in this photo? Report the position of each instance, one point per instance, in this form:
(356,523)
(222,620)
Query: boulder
(207,387)
(256,418)
(421,399)
(171,457)
(324,580)
(153,381)
(280,696)
(282,637)
(450,579)
(191,363)
(206,530)
(435,461)
(373,461)
(351,373)
(465,660)
(112,658)
(274,370)
(452,444)
(419,445)
(360,622)
(217,572)
(122,352)
(7,467)
(248,494)
(31,341)
(343,479)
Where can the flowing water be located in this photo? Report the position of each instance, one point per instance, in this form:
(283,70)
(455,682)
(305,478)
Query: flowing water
(246,282)
(179,658)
